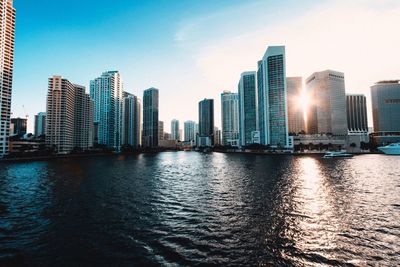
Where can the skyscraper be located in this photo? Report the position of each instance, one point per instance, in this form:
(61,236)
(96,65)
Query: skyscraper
(83,119)
(19,126)
(131,120)
(295,105)
(272,98)
(386,106)
(7,31)
(160,130)
(356,107)
(175,130)
(106,92)
(69,119)
(248,117)
(150,118)
(230,118)
(190,131)
(40,124)
(327,110)
(206,123)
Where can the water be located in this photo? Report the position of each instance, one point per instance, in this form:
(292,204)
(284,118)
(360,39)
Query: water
(188,209)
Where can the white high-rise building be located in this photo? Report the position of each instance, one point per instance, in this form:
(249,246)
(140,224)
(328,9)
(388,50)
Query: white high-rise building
(272,98)
(7,31)
(106,92)
(327,110)
(230,118)
(190,131)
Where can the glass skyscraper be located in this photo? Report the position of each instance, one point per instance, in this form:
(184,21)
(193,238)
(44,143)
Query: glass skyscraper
(248,122)
(150,118)
(190,131)
(295,106)
(175,135)
(206,123)
(131,120)
(272,98)
(106,92)
(386,106)
(356,108)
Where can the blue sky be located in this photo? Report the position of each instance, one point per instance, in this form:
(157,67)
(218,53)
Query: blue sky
(196,49)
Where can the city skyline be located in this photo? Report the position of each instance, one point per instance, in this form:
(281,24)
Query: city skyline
(197,52)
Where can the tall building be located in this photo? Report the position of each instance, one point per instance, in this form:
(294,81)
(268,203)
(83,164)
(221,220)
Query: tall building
(295,105)
(40,124)
(217,136)
(150,118)
(7,31)
(327,110)
(106,92)
(83,120)
(272,98)
(69,119)
(230,118)
(175,130)
(386,106)
(131,120)
(19,126)
(160,130)
(356,108)
(248,113)
(190,131)
(205,136)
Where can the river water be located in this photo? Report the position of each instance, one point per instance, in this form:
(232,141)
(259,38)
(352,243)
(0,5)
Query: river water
(194,209)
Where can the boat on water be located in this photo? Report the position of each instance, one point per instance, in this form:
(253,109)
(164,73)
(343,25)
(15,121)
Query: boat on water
(392,149)
(335,154)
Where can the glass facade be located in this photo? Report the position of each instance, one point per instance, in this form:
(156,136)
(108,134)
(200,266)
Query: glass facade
(230,118)
(150,118)
(247,107)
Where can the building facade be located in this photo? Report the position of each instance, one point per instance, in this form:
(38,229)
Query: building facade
(295,105)
(19,126)
(150,118)
(327,110)
(248,111)
(205,136)
(272,98)
(230,118)
(83,119)
(131,120)
(175,132)
(356,108)
(69,120)
(190,131)
(40,124)
(106,92)
(7,32)
(160,130)
(386,106)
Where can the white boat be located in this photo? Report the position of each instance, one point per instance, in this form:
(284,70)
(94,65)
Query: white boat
(341,154)
(392,149)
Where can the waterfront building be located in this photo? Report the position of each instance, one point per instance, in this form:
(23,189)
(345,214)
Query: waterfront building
(386,106)
(167,136)
(205,137)
(40,124)
(327,109)
(272,98)
(83,118)
(160,130)
(150,118)
(248,112)
(7,32)
(175,130)
(230,118)
(69,119)
(190,131)
(295,105)
(106,92)
(131,120)
(19,126)
(356,108)
(217,136)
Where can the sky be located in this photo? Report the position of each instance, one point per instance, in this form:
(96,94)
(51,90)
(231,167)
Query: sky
(196,49)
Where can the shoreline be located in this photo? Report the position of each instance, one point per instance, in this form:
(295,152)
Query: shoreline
(55,157)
